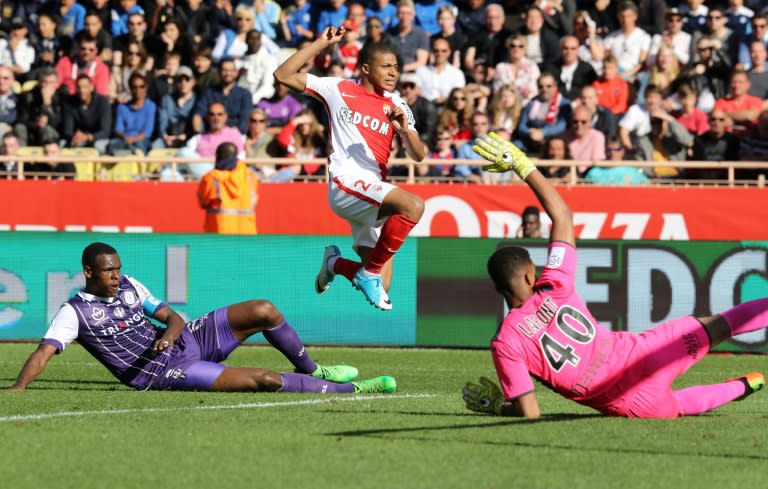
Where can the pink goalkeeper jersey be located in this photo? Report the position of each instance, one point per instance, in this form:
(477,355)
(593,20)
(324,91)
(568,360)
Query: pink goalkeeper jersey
(361,134)
(554,338)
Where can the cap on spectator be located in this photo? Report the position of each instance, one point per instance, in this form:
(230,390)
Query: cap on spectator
(185,71)
(673,12)
(409,78)
(18,23)
(349,25)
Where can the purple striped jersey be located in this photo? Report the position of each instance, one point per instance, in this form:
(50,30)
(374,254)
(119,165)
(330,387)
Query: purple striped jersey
(115,330)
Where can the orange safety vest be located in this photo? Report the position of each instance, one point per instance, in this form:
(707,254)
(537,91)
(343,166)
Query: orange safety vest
(229,198)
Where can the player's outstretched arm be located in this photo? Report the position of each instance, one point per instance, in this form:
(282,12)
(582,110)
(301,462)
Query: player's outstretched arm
(505,156)
(33,367)
(486,397)
(288,73)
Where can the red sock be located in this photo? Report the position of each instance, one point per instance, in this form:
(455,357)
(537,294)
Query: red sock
(393,233)
(345,267)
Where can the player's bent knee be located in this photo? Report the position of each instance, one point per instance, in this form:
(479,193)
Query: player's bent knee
(247,380)
(264,311)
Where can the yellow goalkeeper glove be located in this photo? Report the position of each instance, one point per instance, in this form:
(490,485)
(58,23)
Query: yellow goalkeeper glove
(485,397)
(504,155)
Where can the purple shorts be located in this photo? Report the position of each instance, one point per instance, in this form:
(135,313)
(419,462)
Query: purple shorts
(662,355)
(204,343)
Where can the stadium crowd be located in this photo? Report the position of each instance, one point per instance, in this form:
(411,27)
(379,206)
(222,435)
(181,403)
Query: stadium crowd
(654,80)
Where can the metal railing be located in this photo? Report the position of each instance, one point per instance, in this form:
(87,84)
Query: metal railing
(146,168)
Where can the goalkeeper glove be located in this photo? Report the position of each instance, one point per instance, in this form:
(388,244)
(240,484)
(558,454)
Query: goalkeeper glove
(504,155)
(485,397)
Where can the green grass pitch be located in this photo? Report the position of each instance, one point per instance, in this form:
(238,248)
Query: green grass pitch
(77,428)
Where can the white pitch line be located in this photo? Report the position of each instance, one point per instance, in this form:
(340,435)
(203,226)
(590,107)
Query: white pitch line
(254,405)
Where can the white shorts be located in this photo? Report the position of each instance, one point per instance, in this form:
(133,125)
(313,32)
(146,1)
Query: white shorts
(357,197)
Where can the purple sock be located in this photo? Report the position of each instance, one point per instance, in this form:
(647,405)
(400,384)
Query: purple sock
(702,398)
(285,339)
(307,383)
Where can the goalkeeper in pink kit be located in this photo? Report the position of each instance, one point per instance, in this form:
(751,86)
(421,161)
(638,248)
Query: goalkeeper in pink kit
(549,333)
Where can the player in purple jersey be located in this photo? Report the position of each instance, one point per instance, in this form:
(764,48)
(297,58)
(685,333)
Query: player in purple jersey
(110,319)
(550,334)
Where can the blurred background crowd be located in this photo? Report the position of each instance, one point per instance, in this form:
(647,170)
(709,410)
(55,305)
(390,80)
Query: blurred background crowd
(654,80)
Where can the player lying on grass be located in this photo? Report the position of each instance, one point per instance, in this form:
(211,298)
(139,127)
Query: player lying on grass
(109,318)
(363,117)
(550,334)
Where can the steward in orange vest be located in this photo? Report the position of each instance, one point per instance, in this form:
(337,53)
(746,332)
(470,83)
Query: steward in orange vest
(229,194)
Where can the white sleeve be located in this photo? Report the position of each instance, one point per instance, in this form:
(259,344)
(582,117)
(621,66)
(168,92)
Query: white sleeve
(64,327)
(321,87)
(143,291)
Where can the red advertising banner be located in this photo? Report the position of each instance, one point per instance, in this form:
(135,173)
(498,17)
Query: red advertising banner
(451,210)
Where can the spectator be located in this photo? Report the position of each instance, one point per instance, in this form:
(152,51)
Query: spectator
(167,11)
(231,44)
(258,66)
(333,16)
(237,101)
(137,32)
(478,87)
(758,75)
(695,19)
(135,60)
(603,119)
(94,27)
(427,12)
(204,145)
(46,44)
(206,76)
(760,34)
(673,37)
(228,194)
(165,75)
(604,14)
(739,18)
(9,101)
(175,42)
(630,44)
(446,19)
(755,147)
(296,23)
(472,16)
(457,116)
(87,117)
(199,25)
(670,142)
(617,175)
(558,16)
(688,115)
(717,144)
(584,142)
(438,78)
(121,16)
(281,107)
(423,110)
(104,11)
(555,148)
(348,50)
(707,73)
(724,38)
(518,70)
(302,138)
(174,121)
(650,16)
(612,90)
(16,52)
(545,116)
(40,110)
(591,48)
(505,109)
(258,142)
(267,18)
(10,147)
(472,173)
(221,16)
(135,120)
(356,14)
(572,74)
(665,69)
(384,11)
(87,62)
(410,41)
(442,149)
(486,45)
(635,125)
(53,170)
(541,44)
(741,107)
(530,225)
(72,16)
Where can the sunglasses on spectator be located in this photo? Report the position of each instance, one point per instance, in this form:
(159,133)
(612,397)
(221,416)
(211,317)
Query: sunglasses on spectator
(704,48)
(714,17)
(458,98)
(407,85)
(258,121)
(516,46)
(374,26)
(215,114)
(137,87)
(717,119)
(133,53)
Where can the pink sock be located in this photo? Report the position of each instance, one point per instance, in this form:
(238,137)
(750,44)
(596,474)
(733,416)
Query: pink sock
(702,398)
(746,317)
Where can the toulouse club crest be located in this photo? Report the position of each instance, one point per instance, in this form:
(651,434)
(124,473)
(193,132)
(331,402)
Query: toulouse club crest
(129,297)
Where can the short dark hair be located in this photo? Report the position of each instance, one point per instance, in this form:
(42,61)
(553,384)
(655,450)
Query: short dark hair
(93,250)
(505,262)
(531,210)
(366,57)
